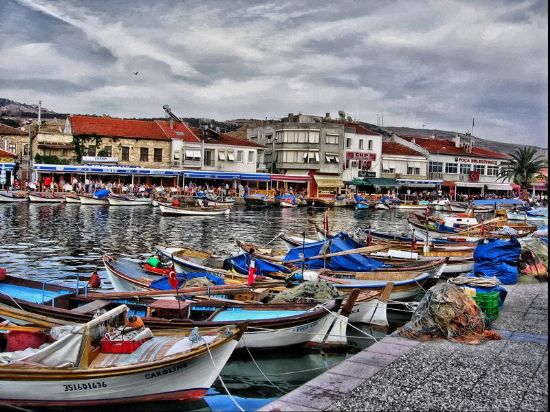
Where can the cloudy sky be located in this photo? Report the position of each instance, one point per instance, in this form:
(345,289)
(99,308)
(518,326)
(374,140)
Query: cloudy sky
(433,63)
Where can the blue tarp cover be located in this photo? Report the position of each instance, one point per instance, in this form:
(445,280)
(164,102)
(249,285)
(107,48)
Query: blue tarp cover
(101,193)
(163,284)
(499,258)
(241,263)
(485,202)
(341,242)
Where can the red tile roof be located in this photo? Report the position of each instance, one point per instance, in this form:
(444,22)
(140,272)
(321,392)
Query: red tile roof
(3,153)
(393,148)
(179,131)
(360,129)
(108,126)
(8,130)
(440,146)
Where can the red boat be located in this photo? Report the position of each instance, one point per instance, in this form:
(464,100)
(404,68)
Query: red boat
(158,271)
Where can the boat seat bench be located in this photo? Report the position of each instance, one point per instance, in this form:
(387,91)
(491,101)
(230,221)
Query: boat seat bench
(92,306)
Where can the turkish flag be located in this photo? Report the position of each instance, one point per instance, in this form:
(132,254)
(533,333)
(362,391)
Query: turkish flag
(251,273)
(173,280)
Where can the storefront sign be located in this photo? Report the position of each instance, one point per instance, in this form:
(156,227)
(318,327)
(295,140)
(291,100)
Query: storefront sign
(99,159)
(360,156)
(476,161)
(363,173)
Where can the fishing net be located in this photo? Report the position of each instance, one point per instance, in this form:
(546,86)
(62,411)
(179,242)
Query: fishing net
(533,260)
(318,291)
(197,283)
(446,312)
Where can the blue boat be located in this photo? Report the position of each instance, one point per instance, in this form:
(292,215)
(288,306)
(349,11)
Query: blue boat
(360,202)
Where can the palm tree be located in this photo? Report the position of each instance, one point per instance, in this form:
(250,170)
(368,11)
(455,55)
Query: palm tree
(523,168)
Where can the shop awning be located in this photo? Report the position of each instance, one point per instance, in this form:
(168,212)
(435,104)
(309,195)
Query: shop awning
(328,181)
(499,186)
(296,176)
(418,183)
(448,183)
(469,184)
(358,182)
(381,182)
(109,170)
(257,177)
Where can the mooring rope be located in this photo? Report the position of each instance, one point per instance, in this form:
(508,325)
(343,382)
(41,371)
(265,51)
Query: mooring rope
(258,366)
(14,301)
(220,377)
(353,327)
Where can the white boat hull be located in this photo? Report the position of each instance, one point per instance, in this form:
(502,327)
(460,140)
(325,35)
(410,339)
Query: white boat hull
(73,200)
(40,199)
(287,204)
(11,199)
(372,312)
(526,218)
(192,211)
(189,378)
(129,202)
(85,200)
(410,207)
(381,206)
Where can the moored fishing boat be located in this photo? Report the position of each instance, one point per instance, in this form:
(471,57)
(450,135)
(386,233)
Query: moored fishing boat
(128,200)
(13,197)
(46,197)
(258,201)
(193,211)
(84,367)
(91,200)
(319,202)
(535,215)
(72,198)
(411,205)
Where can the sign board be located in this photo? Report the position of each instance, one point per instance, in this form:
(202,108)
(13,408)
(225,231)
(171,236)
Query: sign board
(2,177)
(99,159)
(361,156)
(476,161)
(364,173)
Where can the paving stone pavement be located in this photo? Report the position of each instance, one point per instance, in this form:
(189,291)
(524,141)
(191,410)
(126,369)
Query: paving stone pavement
(405,375)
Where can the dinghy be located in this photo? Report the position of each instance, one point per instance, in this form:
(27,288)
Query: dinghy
(13,197)
(128,200)
(193,211)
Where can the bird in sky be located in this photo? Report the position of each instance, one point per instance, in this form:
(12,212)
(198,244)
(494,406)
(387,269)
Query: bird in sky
(136,73)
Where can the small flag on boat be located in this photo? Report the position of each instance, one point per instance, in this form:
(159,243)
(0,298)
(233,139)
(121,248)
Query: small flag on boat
(251,272)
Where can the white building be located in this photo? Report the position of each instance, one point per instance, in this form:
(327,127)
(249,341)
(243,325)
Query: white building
(362,152)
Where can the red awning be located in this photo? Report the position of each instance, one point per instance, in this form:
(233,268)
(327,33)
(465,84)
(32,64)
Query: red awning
(448,183)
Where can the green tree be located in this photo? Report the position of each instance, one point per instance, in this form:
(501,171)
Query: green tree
(523,168)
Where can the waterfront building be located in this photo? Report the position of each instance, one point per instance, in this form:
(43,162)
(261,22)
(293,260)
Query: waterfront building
(461,167)
(16,141)
(362,153)
(403,167)
(304,148)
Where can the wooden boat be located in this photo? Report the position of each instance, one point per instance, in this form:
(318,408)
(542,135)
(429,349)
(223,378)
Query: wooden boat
(211,199)
(47,197)
(258,201)
(13,197)
(381,206)
(270,326)
(361,206)
(527,216)
(411,205)
(193,211)
(87,199)
(128,200)
(84,368)
(72,198)
(319,202)
(129,275)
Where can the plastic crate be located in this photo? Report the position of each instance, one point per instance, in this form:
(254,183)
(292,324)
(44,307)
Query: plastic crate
(489,303)
(120,346)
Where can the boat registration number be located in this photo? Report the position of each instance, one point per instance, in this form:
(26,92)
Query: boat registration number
(84,386)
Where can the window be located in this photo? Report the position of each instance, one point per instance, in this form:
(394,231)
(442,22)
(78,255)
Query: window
(369,146)
(107,151)
(390,170)
(331,139)
(157,155)
(413,170)
(480,169)
(177,155)
(311,157)
(26,150)
(239,156)
(143,154)
(251,156)
(221,155)
(209,157)
(269,137)
(91,150)
(192,155)
(289,156)
(230,156)
(332,158)
(348,143)
(12,147)
(361,144)
(465,169)
(125,154)
(435,167)
(451,168)
(314,138)
(492,170)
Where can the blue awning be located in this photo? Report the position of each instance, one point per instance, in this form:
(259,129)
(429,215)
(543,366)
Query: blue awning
(7,166)
(260,177)
(111,170)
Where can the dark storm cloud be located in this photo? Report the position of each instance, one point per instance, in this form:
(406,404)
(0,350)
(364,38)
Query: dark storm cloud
(431,62)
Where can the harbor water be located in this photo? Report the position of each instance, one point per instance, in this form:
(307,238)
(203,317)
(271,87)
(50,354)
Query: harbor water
(64,242)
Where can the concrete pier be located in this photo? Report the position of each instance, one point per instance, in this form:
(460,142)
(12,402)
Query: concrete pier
(401,374)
